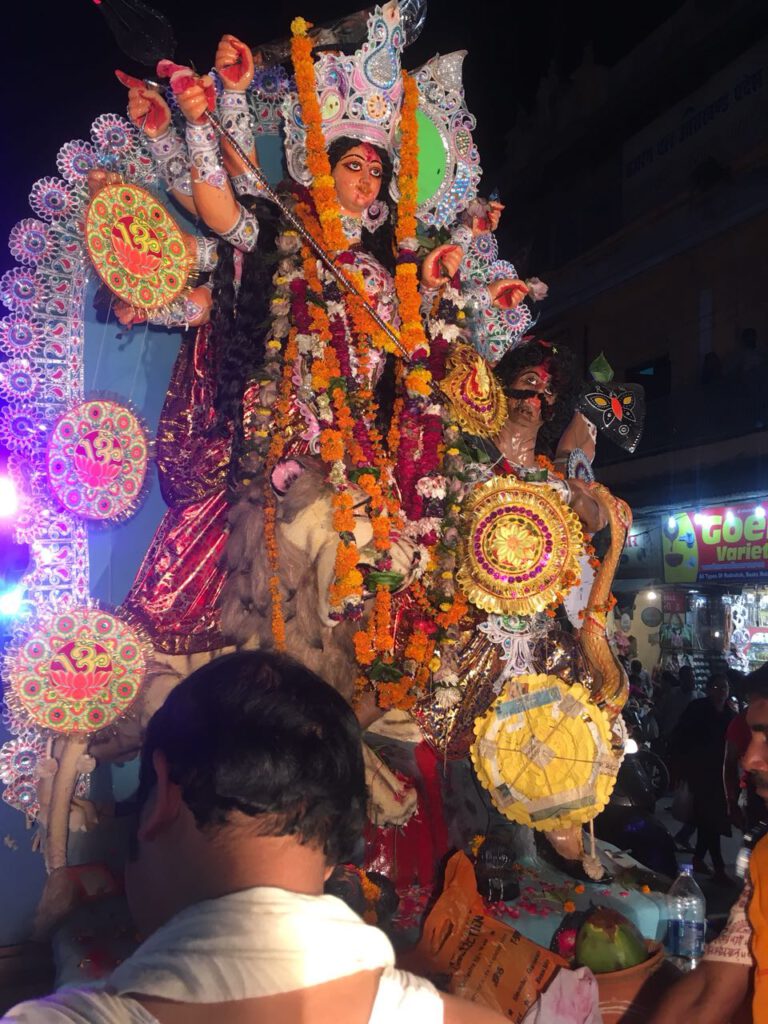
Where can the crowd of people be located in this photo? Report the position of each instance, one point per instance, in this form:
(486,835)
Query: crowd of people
(702,735)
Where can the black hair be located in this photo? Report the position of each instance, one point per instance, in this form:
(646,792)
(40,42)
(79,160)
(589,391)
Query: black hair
(240,319)
(566,386)
(259,733)
(756,683)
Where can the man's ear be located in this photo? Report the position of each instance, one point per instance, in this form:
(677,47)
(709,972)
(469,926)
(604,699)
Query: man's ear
(164,803)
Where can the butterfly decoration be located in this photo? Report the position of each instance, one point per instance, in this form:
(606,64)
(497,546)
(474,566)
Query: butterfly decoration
(617,410)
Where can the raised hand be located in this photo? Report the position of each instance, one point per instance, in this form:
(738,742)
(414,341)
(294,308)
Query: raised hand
(194,100)
(440,265)
(148,111)
(195,94)
(234,62)
(128,315)
(507,292)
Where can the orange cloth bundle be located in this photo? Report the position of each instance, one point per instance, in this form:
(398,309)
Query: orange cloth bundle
(487,961)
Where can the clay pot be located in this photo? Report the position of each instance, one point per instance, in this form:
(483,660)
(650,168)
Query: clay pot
(629,996)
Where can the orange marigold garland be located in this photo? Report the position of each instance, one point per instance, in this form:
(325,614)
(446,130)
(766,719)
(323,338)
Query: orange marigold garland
(323,187)
(412,335)
(349,444)
(270,537)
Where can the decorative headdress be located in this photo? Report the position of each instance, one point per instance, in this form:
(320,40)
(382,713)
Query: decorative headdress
(360,96)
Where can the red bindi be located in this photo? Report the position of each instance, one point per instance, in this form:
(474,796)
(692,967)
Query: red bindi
(370,153)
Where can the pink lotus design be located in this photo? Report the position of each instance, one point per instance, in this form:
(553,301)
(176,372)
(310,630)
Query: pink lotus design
(136,246)
(98,458)
(80,670)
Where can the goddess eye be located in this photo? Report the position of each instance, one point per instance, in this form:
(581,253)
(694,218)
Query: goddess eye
(353,165)
(376,172)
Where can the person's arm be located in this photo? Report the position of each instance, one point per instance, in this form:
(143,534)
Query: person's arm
(585,506)
(461,1011)
(711,994)
(214,199)
(234,63)
(150,114)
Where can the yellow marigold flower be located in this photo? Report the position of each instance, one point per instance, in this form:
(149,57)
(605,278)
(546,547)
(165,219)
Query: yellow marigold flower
(300,27)
(453,451)
(434,664)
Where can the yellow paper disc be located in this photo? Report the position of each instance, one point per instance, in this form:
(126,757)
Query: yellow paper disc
(543,752)
(521,553)
(136,246)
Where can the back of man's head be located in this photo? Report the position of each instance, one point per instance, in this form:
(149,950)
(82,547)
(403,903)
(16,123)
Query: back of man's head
(636,666)
(260,734)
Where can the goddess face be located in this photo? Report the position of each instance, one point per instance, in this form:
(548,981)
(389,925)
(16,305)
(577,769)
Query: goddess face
(357,175)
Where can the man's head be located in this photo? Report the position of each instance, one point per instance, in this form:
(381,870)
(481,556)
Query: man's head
(252,758)
(755,760)
(636,666)
(686,679)
(718,690)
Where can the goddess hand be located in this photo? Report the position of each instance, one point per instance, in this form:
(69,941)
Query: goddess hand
(148,111)
(98,178)
(440,265)
(234,62)
(507,292)
(194,100)
(128,315)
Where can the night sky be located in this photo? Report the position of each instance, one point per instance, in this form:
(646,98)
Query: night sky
(61,55)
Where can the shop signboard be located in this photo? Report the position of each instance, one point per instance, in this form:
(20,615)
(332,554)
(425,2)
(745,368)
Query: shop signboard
(717,544)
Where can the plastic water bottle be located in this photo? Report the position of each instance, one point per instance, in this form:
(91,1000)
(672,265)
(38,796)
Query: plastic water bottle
(687,920)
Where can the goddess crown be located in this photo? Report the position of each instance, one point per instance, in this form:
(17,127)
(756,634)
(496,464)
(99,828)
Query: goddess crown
(360,96)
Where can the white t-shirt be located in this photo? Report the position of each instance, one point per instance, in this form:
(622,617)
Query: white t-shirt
(249,944)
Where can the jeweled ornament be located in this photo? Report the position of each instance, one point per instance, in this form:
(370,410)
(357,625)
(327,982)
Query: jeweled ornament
(97,460)
(78,672)
(521,551)
(136,246)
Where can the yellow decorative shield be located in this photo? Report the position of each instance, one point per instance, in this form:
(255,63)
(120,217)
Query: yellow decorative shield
(521,553)
(543,752)
(136,246)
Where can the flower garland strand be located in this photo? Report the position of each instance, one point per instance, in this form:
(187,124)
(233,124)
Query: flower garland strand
(323,187)
(412,335)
